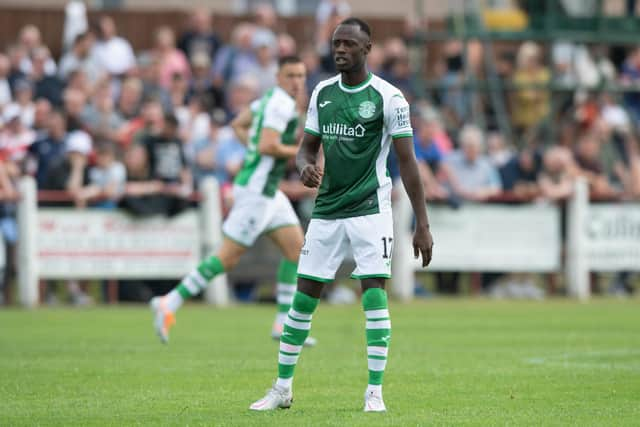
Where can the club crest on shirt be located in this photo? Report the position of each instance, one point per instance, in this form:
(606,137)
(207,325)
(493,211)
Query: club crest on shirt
(367,109)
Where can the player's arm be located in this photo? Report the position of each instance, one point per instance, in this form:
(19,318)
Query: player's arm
(422,240)
(307,160)
(241,124)
(271,145)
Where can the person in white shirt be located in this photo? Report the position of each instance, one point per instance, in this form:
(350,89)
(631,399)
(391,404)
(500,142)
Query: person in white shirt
(113,53)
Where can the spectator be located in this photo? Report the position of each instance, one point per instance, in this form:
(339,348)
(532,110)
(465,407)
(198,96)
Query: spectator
(468,173)
(80,57)
(8,226)
(497,150)
(130,98)
(49,149)
(171,61)
(78,80)
(5,87)
(315,74)
(201,84)
(558,175)
(200,37)
(194,120)
(204,150)
(30,40)
(530,105)
(106,179)
(75,23)
(23,93)
(241,93)
(178,92)
(287,45)
(45,85)
(100,117)
(266,66)
(520,174)
(229,155)
(588,159)
(75,105)
(399,74)
(167,164)
(149,72)
(16,54)
(265,17)
(375,59)
(15,138)
(235,60)
(455,100)
(113,53)
(41,112)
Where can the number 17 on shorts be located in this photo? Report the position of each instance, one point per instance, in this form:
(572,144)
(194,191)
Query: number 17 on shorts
(368,237)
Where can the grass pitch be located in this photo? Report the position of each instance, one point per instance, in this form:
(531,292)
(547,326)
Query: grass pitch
(452,362)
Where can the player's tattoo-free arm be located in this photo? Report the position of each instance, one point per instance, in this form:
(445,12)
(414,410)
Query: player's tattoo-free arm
(307,160)
(422,240)
(241,125)
(271,145)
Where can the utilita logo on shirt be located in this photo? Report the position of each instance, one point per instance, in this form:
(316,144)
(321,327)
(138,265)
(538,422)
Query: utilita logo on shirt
(339,129)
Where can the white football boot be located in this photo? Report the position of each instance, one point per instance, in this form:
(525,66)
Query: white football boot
(277,397)
(373,402)
(163,318)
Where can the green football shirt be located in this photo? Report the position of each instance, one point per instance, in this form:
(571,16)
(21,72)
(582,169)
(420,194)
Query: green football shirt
(275,110)
(357,125)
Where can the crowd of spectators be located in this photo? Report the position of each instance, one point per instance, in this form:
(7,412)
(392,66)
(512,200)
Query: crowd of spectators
(115,126)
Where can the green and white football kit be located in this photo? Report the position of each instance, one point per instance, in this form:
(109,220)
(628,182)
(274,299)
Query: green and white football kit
(353,209)
(353,206)
(259,206)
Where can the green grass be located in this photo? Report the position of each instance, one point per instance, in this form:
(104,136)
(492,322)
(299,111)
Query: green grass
(452,362)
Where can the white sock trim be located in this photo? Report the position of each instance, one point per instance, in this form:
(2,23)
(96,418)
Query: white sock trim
(285,359)
(376,364)
(305,326)
(299,316)
(377,314)
(289,348)
(377,351)
(378,324)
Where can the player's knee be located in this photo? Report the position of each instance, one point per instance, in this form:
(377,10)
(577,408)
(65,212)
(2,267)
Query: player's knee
(229,260)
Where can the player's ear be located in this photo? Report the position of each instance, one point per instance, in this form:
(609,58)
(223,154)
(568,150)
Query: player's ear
(367,47)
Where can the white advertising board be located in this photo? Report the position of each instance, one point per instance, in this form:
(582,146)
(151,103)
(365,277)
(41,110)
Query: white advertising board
(613,237)
(94,244)
(495,238)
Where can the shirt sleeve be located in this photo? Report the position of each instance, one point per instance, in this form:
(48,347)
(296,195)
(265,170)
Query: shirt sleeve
(397,117)
(312,126)
(278,113)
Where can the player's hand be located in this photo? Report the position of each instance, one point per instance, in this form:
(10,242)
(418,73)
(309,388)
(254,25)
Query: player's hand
(423,245)
(311,176)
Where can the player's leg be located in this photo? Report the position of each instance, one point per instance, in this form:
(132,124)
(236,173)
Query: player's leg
(371,238)
(242,227)
(289,240)
(378,332)
(285,231)
(192,284)
(320,257)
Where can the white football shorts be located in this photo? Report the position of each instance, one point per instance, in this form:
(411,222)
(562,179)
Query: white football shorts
(253,214)
(370,238)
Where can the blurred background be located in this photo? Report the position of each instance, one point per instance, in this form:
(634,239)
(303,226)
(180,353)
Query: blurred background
(513,102)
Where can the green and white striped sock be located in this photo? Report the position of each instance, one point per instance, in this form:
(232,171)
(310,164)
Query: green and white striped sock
(296,330)
(194,282)
(286,288)
(374,302)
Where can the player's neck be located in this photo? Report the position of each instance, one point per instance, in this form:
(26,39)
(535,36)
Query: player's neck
(354,78)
